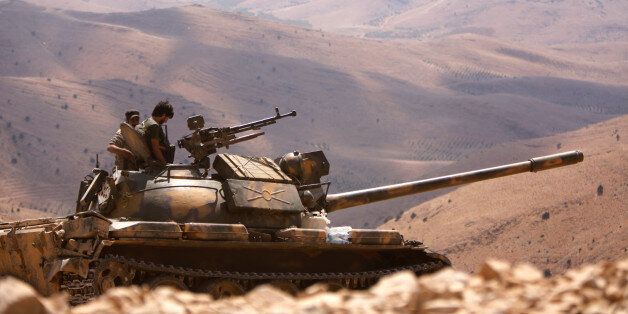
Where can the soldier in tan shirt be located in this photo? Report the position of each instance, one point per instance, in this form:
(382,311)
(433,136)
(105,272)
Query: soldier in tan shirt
(125,160)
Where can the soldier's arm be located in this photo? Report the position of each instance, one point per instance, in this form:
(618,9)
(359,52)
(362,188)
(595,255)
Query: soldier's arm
(154,146)
(127,154)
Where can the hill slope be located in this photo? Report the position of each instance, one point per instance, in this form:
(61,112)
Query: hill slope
(382,111)
(556,219)
(546,22)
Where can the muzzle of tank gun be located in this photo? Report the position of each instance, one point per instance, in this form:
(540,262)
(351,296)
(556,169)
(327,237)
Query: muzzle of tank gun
(556,160)
(339,201)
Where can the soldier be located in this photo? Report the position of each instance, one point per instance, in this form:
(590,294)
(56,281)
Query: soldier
(125,160)
(150,128)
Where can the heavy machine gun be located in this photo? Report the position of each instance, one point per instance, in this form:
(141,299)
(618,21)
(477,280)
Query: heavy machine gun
(205,141)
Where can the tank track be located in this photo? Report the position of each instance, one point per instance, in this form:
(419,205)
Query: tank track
(82,290)
(181,271)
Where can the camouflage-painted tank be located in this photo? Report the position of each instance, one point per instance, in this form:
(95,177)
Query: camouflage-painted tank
(245,222)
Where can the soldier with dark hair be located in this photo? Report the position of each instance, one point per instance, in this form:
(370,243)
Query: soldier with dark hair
(125,160)
(150,128)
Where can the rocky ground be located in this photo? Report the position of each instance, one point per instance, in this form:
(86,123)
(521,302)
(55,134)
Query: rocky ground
(497,287)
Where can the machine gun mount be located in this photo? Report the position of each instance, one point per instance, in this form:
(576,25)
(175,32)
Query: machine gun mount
(205,141)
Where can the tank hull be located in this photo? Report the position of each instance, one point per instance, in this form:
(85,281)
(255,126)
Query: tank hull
(88,254)
(285,258)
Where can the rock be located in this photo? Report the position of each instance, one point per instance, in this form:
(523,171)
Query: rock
(497,288)
(17,297)
(494,270)
(114,301)
(396,283)
(442,306)
(266,297)
(314,289)
(447,283)
(321,303)
(526,273)
(400,290)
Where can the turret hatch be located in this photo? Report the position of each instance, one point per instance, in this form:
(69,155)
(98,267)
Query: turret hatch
(249,168)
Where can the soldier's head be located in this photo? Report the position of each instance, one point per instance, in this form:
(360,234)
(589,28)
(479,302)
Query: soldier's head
(162,112)
(132,117)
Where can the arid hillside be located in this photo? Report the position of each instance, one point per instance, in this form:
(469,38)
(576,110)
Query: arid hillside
(556,219)
(383,111)
(109,6)
(546,22)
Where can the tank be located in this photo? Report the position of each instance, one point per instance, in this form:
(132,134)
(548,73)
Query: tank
(222,227)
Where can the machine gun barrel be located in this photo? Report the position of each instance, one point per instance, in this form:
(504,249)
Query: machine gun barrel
(205,141)
(339,201)
(255,125)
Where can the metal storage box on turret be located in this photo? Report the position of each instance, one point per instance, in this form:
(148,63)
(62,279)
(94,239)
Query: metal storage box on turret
(223,229)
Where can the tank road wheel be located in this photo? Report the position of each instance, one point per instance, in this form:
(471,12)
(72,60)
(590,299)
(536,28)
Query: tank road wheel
(221,288)
(112,274)
(334,285)
(285,286)
(167,281)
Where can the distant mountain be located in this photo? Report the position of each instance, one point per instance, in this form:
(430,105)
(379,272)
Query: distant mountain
(529,21)
(547,22)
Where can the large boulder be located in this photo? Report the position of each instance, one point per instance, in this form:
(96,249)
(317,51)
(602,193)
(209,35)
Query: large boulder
(17,297)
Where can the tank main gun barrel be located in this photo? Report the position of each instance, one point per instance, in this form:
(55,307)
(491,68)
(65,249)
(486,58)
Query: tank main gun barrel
(339,201)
